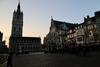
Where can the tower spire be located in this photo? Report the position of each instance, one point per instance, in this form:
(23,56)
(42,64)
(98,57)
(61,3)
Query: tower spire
(18,7)
(17,22)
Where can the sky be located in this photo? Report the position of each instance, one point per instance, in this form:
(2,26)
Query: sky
(37,14)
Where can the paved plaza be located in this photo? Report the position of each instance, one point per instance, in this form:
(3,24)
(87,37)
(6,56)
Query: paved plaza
(56,60)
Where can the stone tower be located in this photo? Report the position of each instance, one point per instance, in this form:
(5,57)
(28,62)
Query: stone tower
(17,22)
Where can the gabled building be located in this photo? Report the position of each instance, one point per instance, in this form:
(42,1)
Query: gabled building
(88,32)
(63,34)
(56,38)
(92,28)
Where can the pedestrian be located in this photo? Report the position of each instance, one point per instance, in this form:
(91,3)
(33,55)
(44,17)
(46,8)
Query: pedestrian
(9,60)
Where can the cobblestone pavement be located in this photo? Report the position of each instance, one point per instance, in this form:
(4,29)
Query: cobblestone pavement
(3,58)
(56,60)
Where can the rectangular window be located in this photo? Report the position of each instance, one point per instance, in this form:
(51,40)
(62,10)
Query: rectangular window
(79,39)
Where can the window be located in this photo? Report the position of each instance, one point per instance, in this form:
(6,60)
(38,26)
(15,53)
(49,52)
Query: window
(94,26)
(79,39)
(91,39)
(14,29)
(88,27)
(68,36)
(91,26)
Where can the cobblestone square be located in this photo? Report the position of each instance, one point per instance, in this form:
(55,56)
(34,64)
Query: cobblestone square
(56,60)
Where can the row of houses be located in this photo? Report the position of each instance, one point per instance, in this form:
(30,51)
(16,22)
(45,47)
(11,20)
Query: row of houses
(64,34)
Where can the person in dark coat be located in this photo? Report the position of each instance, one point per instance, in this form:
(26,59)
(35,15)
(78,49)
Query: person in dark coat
(9,61)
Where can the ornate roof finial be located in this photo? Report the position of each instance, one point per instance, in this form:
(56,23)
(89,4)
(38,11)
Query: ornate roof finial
(51,18)
(88,16)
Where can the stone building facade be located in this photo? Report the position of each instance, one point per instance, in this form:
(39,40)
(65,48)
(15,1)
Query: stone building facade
(56,38)
(74,35)
(80,36)
(18,43)
(25,44)
(87,33)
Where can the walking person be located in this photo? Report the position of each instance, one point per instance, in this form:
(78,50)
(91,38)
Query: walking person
(9,60)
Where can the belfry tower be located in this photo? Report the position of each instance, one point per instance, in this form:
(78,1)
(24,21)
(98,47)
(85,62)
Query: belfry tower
(17,22)
(17,43)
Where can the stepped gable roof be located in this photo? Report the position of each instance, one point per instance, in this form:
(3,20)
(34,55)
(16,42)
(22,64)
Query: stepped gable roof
(91,19)
(68,25)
